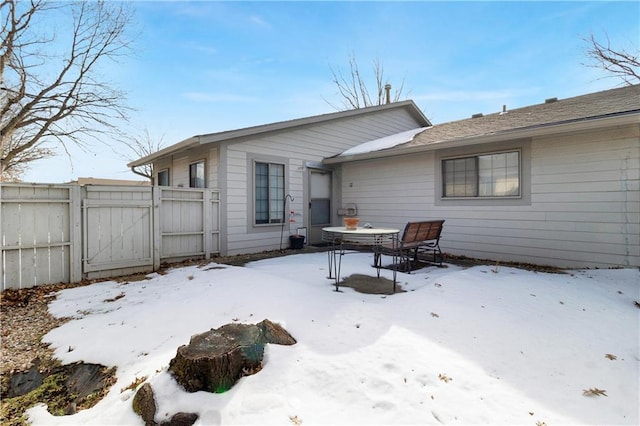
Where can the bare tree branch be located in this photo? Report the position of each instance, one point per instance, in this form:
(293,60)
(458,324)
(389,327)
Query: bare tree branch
(142,145)
(617,63)
(39,108)
(354,90)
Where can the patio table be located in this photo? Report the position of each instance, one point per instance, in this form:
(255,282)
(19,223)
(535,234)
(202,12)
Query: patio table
(341,239)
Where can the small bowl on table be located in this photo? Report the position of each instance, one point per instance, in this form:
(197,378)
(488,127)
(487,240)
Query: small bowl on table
(351,223)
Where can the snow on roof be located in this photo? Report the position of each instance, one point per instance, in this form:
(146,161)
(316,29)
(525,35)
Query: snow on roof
(383,143)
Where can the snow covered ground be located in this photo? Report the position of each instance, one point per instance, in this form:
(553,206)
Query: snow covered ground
(482,345)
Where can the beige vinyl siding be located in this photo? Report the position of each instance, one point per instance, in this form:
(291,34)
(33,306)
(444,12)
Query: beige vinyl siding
(584,209)
(293,148)
(180,170)
(212,166)
(178,166)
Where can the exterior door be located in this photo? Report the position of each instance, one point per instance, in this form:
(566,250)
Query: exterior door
(319,203)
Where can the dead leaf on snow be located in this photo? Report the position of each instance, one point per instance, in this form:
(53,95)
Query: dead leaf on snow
(444,378)
(433,314)
(594,392)
(611,356)
(295,420)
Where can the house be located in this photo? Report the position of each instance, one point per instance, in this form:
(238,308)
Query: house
(271,178)
(549,184)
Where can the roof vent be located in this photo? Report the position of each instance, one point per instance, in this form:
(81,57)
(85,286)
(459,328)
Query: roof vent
(478,115)
(550,100)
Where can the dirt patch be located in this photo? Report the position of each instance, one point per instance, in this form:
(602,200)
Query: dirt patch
(468,262)
(243,259)
(371,285)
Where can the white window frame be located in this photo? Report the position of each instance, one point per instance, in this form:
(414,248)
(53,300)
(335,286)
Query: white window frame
(202,178)
(523,145)
(168,177)
(476,185)
(274,208)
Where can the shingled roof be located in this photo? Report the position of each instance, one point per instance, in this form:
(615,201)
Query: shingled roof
(594,105)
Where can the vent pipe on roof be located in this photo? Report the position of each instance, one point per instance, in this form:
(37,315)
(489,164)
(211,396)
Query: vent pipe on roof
(550,100)
(387,90)
(504,108)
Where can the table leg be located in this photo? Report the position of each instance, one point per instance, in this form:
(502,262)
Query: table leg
(338,264)
(334,259)
(331,258)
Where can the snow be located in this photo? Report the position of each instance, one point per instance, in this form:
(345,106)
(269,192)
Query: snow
(383,143)
(479,345)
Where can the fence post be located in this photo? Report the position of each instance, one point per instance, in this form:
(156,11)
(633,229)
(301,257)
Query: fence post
(2,258)
(206,226)
(75,237)
(156,195)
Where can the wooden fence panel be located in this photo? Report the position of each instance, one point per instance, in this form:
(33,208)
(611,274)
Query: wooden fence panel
(37,232)
(181,223)
(64,233)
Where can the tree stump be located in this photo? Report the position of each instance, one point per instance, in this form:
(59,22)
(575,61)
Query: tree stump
(214,361)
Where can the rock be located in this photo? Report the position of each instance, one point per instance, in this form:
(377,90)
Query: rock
(181,419)
(275,333)
(65,389)
(214,361)
(144,404)
(22,383)
(87,379)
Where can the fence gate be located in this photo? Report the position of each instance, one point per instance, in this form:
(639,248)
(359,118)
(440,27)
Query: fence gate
(39,230)
(117,228)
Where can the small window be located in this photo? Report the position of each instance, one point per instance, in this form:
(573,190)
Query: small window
(482,176)
(196,175)
(163,177)
(269,193)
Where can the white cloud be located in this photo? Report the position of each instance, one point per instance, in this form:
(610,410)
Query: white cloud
(259,21)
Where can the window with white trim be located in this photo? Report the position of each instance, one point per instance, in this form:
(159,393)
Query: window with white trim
(196,174)
(163,177)
(482,176)
(269,193)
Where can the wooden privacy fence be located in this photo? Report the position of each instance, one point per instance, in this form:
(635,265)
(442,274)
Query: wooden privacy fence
(66,233)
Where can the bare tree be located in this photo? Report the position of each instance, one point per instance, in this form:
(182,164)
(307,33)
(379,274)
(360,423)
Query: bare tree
(354,90)
(141,146)
(51,91)
(618,63)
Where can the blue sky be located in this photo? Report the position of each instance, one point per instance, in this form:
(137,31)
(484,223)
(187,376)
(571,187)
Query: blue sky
(202,67)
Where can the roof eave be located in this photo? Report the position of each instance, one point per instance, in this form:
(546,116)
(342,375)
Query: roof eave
(632,117)
(273,127)
(289,124)
(185,144)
